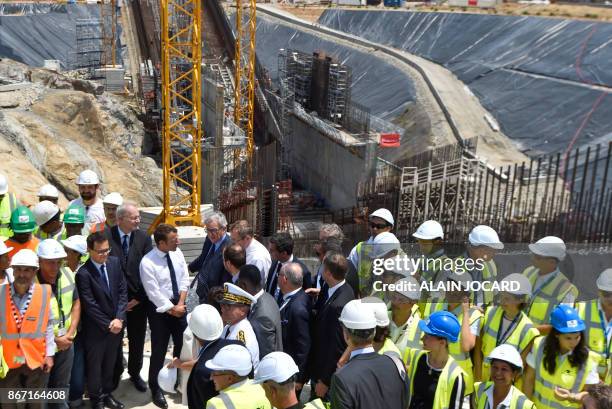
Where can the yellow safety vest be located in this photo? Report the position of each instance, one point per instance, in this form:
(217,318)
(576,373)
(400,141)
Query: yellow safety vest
(550,295)
(61,235)
(431,273)
(517,401)
(315,404)
(408,336)
(565,376)
(595,333)
(489,273)
(65,291)
(246,396)
(448,377)
(364,269)
(389,346)
(521,334)
(463,358)
(7,205)
(3,366)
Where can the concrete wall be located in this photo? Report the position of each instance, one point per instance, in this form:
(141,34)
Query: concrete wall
(212,118)
(324,166)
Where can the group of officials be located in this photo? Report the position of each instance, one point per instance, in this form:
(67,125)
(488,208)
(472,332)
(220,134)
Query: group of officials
(254,326)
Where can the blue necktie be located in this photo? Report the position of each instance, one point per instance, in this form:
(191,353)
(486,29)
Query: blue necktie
(104,279)
(175,291)
(125,246)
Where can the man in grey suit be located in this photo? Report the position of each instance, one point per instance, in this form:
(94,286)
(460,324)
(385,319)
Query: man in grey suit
(265,315)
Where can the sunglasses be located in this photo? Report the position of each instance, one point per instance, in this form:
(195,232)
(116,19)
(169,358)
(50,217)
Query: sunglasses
(378,226)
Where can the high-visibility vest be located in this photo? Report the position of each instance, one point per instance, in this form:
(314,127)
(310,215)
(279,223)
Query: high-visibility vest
(65,292)
(431,273)
(408,336)
(389,347)
(7,205)
(565,376)
(25,345)
(548,297)
(520,337)
(595,334)
(246,396)
(364,267)
(62,234)
(448,377)
(489,273)
(315,404)
(100,226)
(3,366)
(518,400)
(31,244)
(463,358)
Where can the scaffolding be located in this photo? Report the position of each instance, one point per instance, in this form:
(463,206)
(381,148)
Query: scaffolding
(89,44)
(338,93)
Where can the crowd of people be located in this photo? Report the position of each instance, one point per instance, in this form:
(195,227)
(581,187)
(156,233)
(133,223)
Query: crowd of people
(252,327)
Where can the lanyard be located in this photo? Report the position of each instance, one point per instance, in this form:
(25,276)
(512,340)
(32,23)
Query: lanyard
(540,288)
(508,331)
(603,323)
(58,298)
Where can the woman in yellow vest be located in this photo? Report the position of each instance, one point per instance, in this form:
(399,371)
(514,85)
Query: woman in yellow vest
(560,365)
(505,323)
(506,367)
(436,380)
(405,316)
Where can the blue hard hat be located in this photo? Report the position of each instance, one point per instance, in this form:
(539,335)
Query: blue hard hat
(441,324)
(565,319)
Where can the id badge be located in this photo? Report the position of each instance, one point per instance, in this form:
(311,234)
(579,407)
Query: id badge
(61,332)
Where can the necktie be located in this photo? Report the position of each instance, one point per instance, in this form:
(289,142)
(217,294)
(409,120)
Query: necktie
(104,279)
(175,292)
(274,281)
(125,246)
(227,332)
(279,297)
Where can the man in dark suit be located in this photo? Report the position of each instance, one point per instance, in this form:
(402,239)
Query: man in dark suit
(130,244)
(368,380)
(327,340)
(295,319)
(209,264)
(206,325)
(281,252)
(103,294)
(264,315)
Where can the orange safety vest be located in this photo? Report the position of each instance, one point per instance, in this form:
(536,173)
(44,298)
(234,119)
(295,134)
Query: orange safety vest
(31,244)
(25,345)
(98,227)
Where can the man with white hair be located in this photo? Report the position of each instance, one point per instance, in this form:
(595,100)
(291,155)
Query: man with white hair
(256,253)
(88,183)
(208,267)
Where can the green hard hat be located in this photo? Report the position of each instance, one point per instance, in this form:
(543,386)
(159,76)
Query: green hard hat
(23,220)
(74,215)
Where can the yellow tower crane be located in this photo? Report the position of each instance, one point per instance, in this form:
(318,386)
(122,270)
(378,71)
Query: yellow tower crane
(244,62)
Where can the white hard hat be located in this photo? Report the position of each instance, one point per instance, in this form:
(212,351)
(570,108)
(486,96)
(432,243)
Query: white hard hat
(276,366)
(409,287)
(50,249)
(113,198)
(206,322)
(44,211)
(48,191)
(25,258)
(549,246)
(4,249)
(485,236)
(402,266)
(458,276)
(383,214)
(235,358)
(77,243)
(519,284)
(166,378)
(506,353)
(429,230)
(383,244)
(88,177)
(3,184)
(604,281)
(379,308)
(356,315)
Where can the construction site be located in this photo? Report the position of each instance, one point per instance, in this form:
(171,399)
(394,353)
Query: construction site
(293,114)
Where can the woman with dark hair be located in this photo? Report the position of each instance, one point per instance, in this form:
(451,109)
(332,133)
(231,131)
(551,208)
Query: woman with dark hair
(505,323)
(560,367)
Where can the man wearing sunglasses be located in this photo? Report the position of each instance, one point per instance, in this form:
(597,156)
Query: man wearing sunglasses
(597,316)
(380,221)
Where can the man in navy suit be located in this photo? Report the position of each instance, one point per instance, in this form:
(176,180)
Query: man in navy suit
(295,319)
(103,293)
(209,265)
(281,251)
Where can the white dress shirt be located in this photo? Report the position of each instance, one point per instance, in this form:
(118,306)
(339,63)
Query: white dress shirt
(155,276)
(361,351)
(258,255)
(243,331)
(503,404)
(93,214)
(287,296)
(333,289)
